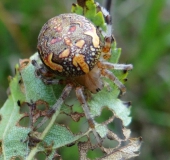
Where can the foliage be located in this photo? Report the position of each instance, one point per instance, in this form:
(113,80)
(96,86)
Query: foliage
(29,100)
(141,29)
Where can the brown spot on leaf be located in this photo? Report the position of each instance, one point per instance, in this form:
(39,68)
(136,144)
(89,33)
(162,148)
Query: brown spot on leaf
(23,63)
(32,111)
(33,139)
(76,116)
(16,158)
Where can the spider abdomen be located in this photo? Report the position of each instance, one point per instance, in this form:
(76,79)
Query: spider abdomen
(69,45)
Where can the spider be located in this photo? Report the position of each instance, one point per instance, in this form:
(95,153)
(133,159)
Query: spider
(72,47)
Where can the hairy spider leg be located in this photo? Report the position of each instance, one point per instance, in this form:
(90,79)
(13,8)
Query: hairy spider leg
(40,69)
(82,100)
(44,74)
(108,65)
(104,66)
(107,34)
(106,53)
(55,109)
(111,76)
(32,107)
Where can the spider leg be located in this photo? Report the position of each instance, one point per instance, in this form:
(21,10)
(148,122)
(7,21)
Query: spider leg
(40,69)
(109,65)
(56,107)
(108,20)
(112,77)
(44,74)
(106,53)
(32,108)
(81,98)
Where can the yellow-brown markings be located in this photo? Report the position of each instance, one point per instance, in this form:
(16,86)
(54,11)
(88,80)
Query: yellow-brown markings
(106,49)
(79,23)
(91,123)
(79,60)
(107,55)
(52,65)
(108,42)
(95,37)
(99,64)
(65,53)
(80,43)
(67,41)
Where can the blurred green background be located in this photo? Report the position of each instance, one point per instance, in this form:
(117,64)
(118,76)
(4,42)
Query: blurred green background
(141,29)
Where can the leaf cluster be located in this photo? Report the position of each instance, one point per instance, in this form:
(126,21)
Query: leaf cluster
(29,100)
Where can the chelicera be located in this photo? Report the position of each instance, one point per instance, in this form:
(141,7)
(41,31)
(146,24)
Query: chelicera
(71,47)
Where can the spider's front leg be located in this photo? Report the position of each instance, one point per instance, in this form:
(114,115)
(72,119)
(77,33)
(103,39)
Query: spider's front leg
(108,37)
(82,100)
(105,66)
(106,53)
(42,73)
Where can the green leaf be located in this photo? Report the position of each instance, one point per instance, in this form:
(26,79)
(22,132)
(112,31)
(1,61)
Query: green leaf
(91,13)
(77,9)
(11,135)
(34,86)
(33,89)
(27,90)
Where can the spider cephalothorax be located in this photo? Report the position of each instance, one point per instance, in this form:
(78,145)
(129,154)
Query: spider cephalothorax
(70,46)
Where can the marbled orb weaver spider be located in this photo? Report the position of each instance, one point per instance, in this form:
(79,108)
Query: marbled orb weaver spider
(70,46)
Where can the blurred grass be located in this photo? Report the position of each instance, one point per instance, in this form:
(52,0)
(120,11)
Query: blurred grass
(142,30)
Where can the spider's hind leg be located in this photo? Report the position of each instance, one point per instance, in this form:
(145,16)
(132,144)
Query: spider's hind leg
(55,109)
(82,100)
